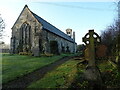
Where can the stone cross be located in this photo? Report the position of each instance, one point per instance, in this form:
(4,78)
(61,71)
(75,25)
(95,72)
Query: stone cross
(91,39)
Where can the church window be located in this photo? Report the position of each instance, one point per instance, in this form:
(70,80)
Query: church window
(68,32)
(25,36)
(67,49)
(35,29)
(63,49)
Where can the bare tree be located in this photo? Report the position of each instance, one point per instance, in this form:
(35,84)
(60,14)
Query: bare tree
(2,27)
(109,36)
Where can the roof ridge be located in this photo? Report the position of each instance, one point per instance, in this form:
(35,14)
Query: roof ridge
(49,25)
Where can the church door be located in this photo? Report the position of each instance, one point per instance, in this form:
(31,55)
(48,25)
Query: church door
(54,47)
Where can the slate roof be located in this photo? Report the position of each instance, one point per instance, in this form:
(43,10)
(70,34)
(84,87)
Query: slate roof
(47,26)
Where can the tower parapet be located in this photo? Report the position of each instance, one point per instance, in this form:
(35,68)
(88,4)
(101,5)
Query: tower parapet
(69,32)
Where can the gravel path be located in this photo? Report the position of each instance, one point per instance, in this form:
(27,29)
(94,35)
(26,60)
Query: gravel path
(24,81)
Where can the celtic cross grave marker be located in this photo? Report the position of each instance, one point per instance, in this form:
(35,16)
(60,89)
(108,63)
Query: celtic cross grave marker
(91,39)
(92,73)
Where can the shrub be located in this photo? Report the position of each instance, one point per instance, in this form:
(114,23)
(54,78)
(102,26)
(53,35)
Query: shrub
(47,55)
(25,53)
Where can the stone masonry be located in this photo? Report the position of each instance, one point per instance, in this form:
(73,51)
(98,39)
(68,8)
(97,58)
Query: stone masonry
(31,33)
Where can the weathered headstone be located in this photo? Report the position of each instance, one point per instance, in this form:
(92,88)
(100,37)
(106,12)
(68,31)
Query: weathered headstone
(86,53)
(92,73)
(101,51)
(35,50)
(90,42)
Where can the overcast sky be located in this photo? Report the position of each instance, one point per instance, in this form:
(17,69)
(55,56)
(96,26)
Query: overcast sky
(79,16)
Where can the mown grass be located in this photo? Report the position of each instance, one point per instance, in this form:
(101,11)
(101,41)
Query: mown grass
(14,66)
(61,77)
(65,76)
(70,75)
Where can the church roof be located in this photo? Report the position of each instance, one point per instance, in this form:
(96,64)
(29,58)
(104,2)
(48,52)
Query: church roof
(47,26)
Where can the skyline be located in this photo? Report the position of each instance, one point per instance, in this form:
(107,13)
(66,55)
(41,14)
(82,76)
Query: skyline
(80,16)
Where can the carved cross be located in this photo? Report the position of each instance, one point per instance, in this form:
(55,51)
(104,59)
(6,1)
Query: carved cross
(91,39)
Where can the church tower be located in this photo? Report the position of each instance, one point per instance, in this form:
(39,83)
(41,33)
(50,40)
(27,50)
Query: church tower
(69,32)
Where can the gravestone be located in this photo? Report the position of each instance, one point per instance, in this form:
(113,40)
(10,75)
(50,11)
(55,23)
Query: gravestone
(86,53)
(92,73)
(90,42)
(101,51)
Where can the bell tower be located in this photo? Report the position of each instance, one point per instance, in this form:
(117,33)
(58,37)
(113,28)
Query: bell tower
(69,32)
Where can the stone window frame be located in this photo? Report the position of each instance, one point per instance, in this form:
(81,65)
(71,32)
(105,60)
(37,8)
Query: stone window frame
(23,29)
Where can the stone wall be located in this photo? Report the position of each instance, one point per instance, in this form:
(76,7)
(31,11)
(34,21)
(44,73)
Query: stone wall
(48,36)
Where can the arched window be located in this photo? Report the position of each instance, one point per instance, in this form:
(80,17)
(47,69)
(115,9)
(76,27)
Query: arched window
(25,36)
(63,48)
(25,33)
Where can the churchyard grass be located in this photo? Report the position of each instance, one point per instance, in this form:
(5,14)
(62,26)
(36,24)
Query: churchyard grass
(110,74)
(14,66)
(61,77)
(68,75)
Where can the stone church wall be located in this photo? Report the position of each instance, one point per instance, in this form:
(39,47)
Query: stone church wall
(25,17)
(61,42)
(39,38)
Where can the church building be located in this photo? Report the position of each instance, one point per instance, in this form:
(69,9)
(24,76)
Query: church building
(31,33)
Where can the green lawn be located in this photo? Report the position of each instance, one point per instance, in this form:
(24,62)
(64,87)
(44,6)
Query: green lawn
(14,66)
(61,77)
(68,75)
